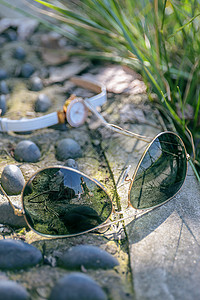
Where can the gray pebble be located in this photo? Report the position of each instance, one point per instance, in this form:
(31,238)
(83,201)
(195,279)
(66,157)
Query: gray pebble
(12,35)
(68,148)
(19,53)
(91,257)
(71,163)
(3,40)
(43,103)
(3,74)
(4,88)
(8,217)
(10,290)
(27,151)
(27,70)
(12,180)
(77,286)
(3,105)
(18,255)
(61,127)
(36,84)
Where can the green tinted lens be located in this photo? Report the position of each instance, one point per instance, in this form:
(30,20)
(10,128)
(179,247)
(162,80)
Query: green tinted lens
(64,202)
(160,173)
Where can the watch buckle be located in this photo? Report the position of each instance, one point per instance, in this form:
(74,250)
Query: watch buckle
(71,97)
(62,113)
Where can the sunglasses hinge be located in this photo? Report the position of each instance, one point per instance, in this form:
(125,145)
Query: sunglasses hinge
(188,157)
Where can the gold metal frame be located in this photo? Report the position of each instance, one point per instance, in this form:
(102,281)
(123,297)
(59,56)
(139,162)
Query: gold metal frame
(17,211)
(20,212)
(140,161)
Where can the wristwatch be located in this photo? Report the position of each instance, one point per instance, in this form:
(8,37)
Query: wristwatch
(75,110)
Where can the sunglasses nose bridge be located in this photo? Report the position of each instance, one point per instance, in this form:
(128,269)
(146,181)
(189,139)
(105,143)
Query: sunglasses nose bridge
(18,212)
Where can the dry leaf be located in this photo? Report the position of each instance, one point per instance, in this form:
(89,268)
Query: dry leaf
(53,40)
(67,71)
(119,80)
(54,57)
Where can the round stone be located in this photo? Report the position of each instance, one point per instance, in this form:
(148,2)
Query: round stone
(71,163)
(27,151)
(91,257)
(19,53)
(12,290)
(27,70)
(36,84)
(77,286)
(4,88)
(3,40)
(8,217)
(68,148)
(12,35)
(3,105)
(3,74)
(18,255)
(12,180)
(43,103)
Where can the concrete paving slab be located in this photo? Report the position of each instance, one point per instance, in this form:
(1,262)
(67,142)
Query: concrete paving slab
(164,243)
(165,247)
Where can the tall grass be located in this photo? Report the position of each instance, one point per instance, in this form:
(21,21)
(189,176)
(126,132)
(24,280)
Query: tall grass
(159,38)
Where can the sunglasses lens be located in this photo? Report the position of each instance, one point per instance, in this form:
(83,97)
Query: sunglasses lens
(160,173)
(64,202)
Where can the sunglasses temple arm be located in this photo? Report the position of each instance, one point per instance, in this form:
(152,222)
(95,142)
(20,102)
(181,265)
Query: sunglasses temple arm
(17,211)
(113,222)
(126,218)
(121,219)
(192,142)
(115,127)
(192,161)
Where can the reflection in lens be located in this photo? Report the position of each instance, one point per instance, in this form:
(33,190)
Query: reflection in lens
(61,201)
(161,172)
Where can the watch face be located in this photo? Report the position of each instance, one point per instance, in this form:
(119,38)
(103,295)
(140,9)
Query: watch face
(76,113)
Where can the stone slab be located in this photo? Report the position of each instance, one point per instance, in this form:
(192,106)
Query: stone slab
(164,247)
(164,243)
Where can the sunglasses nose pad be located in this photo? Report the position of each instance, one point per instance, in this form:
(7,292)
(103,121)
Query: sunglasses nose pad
(124,177)
(160,173)
(60,201)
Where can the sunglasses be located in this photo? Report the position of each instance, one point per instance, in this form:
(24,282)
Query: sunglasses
(62,202)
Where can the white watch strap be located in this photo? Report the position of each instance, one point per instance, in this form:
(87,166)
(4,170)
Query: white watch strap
(24,124)
(100,99)
(28,124)
(97,100)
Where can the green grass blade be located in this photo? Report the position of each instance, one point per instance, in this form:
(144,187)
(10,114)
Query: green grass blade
(183,26)
(195,170)
(196,115)
(182,108)
(73,15)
